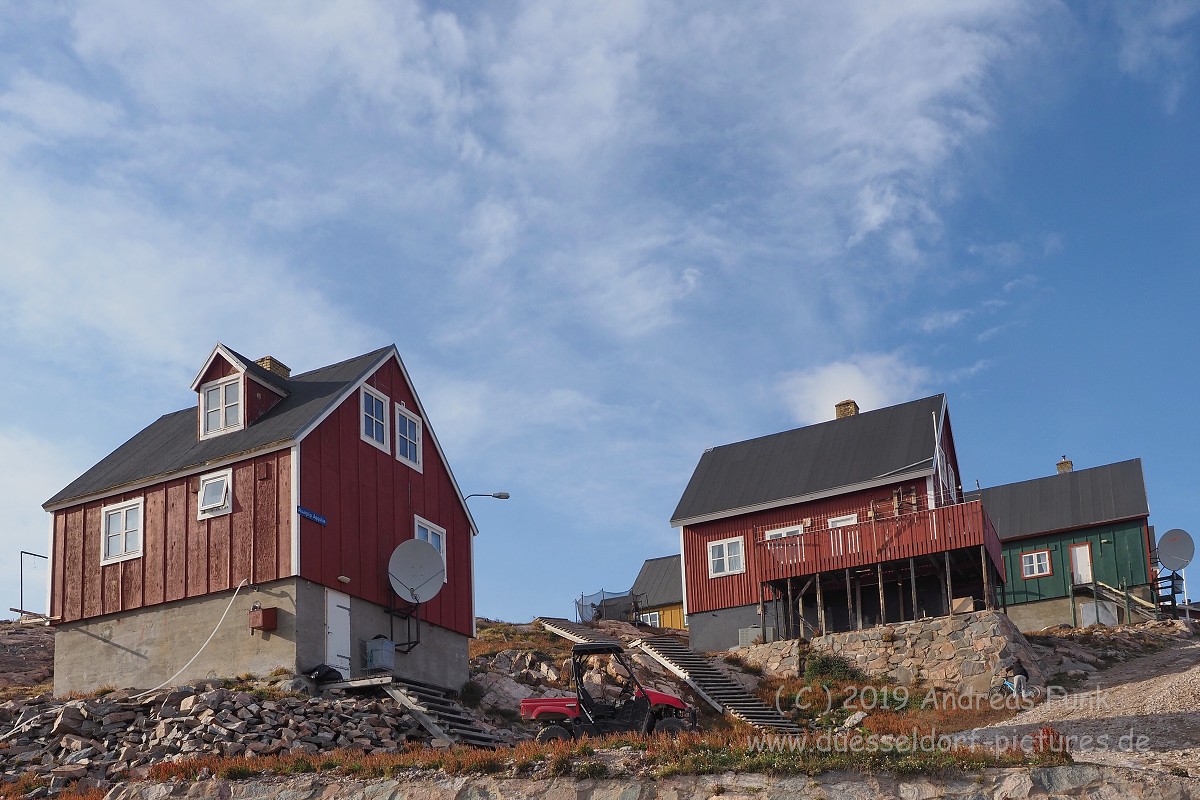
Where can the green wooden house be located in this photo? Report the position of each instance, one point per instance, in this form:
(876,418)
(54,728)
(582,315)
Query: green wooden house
(1076,545)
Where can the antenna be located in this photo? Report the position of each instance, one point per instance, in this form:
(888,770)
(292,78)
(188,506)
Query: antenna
(416,571)
(1175,549)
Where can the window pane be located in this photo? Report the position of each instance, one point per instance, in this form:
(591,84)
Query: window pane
(379,432)
(133,541)
(435,539)
(366,403)
(212,398)
(423,533)
(133,518)
(735,549)
(113,523)
(212,420)
(231,415)
(112,545)
(718,565)
(231,393)
(213,494)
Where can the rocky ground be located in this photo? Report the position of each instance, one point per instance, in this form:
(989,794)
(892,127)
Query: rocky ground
(26,657)
(1137,703)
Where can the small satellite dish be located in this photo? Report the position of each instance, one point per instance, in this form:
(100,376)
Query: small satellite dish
(416,571)
(1175,549)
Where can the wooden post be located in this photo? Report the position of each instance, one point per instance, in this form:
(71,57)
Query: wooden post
(800,616)
(858,600)
(987,578)
(820,606)
(791,614)
(912,576)
(849,604)
(762,614)
(949,587)
(882,605)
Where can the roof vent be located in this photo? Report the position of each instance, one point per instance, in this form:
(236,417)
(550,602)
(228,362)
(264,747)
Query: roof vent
(272,364)
(1066,465)
(846,408)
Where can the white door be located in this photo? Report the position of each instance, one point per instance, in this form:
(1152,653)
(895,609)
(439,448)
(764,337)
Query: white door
(1081,562)
(337,631)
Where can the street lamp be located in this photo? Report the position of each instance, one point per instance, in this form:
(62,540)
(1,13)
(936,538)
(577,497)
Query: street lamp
(497,495)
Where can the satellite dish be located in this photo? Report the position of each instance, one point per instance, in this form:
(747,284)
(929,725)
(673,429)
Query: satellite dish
(1175,549)
(416,571)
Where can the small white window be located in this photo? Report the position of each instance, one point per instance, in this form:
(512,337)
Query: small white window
(428,532)
(843,521)
(375,419)
(122,537)
(215,496)
(780,533)
(1035,564)
(221,407)
(725,557)
(408,437)
(650,618)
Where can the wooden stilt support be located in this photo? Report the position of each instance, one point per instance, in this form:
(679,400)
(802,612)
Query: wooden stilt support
(791,612)
(820,606)
(912,577)
(882,604)
(949,587)
(762,614)
(985,566)
(849,604)
(858,600)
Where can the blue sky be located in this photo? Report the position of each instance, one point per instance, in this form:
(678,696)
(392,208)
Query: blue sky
(605,237)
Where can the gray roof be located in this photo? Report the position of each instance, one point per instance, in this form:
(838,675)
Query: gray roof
(171,445)
(787,467)
(1066,501)
(660,583)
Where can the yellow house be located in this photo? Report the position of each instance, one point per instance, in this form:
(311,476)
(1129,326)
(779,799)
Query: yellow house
(658,593)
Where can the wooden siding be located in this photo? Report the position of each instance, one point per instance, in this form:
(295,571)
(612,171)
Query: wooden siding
(259,399)
(370,500)
(887,535)
(1118,554)
(181,556)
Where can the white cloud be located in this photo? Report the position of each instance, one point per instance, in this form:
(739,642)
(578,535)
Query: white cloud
(54,110)
(938,321)
(873,380)
(1158,45)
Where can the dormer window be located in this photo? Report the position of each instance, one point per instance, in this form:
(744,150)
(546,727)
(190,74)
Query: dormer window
(221,407)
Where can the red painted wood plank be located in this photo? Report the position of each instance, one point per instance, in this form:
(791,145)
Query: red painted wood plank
(220,551)
(242,521)
(93,591)
(283,513)
(266,522)
(154,545)
(197,542)
(176,550)
(73,565)
(58,566)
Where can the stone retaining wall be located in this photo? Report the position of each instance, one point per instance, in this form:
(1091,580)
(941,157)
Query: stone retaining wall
(966,653)
(1078,780)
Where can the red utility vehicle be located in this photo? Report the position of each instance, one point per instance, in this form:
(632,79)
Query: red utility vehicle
(637,709)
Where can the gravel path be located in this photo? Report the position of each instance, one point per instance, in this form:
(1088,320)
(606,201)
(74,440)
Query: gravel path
(1142,713)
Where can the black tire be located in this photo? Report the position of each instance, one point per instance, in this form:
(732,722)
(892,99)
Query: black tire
(552,733)
(671,726)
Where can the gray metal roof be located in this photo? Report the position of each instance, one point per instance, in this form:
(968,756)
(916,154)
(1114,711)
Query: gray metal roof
(1069,500)
(171,445)
(786,467)
(660,583)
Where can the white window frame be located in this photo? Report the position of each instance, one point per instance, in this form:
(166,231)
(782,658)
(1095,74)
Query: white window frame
(226,505)
(843,520)
(402,412)
(741,556)
(783,533)
(650,618)
(122,509)
(421,522)
(1029,569)
(220,385)
(386,444)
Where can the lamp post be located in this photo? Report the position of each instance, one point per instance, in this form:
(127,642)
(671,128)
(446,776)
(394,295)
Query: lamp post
(497,495)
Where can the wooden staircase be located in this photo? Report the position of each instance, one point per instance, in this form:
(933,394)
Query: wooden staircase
(431,706)
(576,632)
(716,688)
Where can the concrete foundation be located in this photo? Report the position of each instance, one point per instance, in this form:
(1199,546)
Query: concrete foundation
(1041,614)
(718,630)
(140,649)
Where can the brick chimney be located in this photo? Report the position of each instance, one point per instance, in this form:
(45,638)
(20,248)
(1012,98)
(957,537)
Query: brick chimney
(1065,465)
(846,408)
(272,364)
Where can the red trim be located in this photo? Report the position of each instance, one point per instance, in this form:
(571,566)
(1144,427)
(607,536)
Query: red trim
(1049,563)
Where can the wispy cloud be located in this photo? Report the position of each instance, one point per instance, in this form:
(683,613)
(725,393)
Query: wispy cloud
(1158,45)
(873,380)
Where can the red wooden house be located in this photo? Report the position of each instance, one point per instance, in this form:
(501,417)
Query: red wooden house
(267,510)
(852,522)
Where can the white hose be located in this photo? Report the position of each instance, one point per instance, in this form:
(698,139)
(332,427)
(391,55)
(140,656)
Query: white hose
(201,650)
